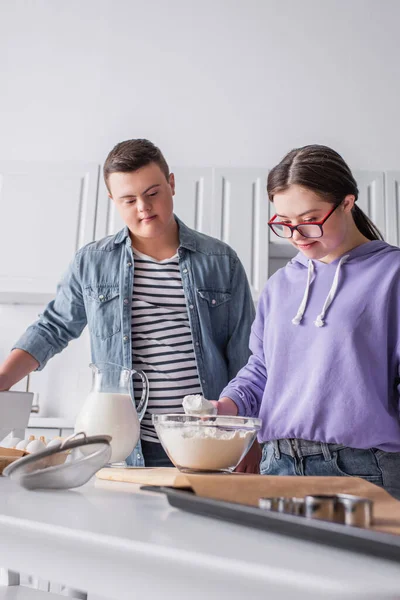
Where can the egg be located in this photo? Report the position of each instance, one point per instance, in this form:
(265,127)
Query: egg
(10,442)
(54,442)
(35,446)
(22,444)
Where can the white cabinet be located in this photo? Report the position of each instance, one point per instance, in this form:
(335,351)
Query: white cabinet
(47,211)
(240,216)
(108,221)
(392,192)
(194,198)
(371,197)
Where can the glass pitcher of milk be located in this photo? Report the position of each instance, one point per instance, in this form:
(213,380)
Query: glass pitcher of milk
(110,408)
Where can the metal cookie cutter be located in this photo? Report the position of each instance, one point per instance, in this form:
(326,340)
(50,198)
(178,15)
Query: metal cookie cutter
(320,507)
(268,503)
(279,504)
(285,505)
(353,510)
(298,506)
(292,506)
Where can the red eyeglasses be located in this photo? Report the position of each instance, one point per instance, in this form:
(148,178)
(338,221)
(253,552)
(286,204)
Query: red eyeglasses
(309,230)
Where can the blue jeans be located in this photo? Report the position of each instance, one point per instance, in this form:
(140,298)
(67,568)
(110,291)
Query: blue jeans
(301,457)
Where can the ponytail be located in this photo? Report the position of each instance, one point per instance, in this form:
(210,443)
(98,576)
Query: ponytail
(365,225)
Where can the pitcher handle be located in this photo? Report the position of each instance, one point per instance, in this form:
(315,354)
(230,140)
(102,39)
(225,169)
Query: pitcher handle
(142,406)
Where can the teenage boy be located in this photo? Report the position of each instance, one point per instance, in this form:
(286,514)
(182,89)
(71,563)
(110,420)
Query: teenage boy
(157,296)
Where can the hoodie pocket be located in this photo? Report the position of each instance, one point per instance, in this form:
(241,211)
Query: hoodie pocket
(102,305)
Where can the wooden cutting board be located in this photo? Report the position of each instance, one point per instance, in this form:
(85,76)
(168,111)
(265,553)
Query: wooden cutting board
(160,476)
(247,489)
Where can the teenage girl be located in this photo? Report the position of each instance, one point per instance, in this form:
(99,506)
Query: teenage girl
(324,374)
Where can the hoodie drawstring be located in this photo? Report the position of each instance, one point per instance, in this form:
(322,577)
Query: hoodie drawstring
(319,322)
(300,312)
(329,299)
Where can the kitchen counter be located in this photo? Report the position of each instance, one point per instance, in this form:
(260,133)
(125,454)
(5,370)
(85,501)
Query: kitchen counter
(119,542)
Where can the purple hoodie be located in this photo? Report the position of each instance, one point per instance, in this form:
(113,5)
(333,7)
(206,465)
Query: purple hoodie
(325,344)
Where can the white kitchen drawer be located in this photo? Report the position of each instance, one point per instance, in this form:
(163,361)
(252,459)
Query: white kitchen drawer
(25,593)
(66,432)
(49,433)
(37,432)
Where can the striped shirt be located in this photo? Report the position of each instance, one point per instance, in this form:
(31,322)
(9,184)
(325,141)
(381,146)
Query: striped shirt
(162,344)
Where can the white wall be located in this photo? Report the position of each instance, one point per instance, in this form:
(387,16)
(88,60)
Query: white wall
(213,82)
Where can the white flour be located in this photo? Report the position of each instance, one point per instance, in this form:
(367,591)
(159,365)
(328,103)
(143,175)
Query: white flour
(195,404)
(206,448)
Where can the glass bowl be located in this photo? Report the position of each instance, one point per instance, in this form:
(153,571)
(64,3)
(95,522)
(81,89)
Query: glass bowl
(205,443)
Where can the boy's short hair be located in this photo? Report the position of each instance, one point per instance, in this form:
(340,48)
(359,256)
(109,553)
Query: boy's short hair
(131,155)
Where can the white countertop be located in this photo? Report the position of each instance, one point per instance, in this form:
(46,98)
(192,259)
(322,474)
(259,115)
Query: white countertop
(111,538)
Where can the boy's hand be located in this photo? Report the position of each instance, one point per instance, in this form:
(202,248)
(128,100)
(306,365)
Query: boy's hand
(4,387)
(17,365)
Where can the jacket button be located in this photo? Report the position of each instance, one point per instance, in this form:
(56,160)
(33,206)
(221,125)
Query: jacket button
(126,300)
(125,338)
(213,301)
(128,264)
(101,297)
(185,270)
(191,307)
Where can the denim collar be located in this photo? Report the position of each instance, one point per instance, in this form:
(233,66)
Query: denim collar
(186,237)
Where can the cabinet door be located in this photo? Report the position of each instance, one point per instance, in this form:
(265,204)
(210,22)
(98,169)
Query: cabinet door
(240,216)
(108,221)
(392,201)
(193,198)
(371,197)
(192,202)
(47,211)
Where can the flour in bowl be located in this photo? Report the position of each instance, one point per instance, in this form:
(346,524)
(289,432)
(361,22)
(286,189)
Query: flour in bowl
(201,448)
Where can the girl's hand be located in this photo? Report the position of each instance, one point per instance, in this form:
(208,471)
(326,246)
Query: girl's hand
(225,406)
(251,462)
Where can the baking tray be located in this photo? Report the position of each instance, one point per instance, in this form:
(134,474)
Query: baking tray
(354,539)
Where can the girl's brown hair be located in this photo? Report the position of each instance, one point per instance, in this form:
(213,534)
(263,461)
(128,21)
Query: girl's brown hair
(324,171)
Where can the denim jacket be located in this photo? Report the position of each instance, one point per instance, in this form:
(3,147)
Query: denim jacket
(97,291)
